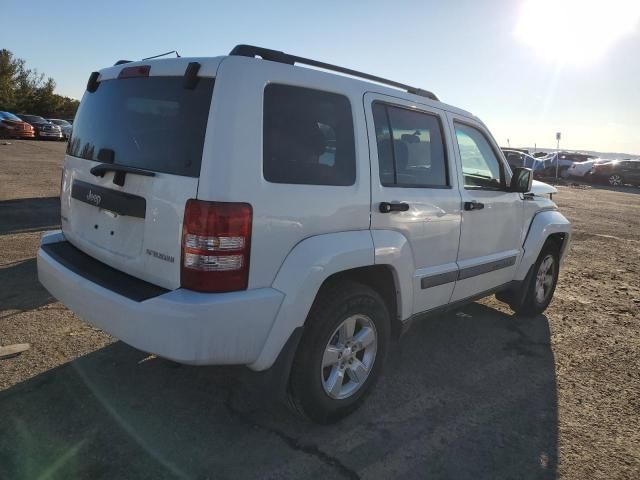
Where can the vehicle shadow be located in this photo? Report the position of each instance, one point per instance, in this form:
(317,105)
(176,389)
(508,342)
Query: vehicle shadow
(29,214)
(466,395)
(20,289)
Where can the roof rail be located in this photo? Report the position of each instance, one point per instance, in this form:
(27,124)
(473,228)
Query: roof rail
(281,57)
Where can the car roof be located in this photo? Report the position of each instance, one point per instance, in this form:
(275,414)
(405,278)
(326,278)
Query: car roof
(209,68)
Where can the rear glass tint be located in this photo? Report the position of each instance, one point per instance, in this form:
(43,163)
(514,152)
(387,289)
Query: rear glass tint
(308,137)
(152,123)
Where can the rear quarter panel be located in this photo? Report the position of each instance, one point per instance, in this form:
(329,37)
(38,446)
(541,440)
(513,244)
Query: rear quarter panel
(283,214)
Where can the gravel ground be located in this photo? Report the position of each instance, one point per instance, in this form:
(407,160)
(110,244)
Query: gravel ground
(478,393)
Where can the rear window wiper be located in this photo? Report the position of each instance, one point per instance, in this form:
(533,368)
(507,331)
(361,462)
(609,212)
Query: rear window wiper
(120,172)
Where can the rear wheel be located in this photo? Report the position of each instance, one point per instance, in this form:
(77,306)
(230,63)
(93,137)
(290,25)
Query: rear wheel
(341,352)
(615,180)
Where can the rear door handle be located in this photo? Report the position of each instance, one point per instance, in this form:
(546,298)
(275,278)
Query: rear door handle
(386,207)
(473,205)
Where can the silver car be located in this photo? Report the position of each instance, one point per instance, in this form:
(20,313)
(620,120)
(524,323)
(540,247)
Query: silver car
(65,126)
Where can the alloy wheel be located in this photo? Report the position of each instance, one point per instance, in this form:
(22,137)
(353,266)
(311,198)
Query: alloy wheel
(544,278)
(615,180)
(349,356)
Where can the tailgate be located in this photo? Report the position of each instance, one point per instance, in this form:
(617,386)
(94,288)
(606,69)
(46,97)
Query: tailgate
(145,135)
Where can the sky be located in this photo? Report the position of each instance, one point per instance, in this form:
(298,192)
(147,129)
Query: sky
(528,69)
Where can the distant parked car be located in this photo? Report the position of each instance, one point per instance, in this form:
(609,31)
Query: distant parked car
(617,172)
(44,128)
(12,126)
(64,125)
(566,159)
(517,158)
(583,169)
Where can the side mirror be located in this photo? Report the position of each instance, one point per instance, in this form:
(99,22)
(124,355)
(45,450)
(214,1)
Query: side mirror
(522,180)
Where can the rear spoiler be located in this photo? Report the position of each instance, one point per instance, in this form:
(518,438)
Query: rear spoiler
(190,75)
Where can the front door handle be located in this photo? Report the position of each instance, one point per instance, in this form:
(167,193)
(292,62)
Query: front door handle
(473,205)
(386,207)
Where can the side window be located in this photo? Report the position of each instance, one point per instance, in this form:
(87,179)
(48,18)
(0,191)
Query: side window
(480,166)
(410,148)
(307,137)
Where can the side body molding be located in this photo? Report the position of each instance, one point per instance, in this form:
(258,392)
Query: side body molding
(544,223)
(304,270)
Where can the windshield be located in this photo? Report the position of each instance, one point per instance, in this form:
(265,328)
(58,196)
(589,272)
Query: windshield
(63,123)
(152,123)
(9,116)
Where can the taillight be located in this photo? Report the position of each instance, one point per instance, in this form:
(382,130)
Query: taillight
(216,242)
(131,72)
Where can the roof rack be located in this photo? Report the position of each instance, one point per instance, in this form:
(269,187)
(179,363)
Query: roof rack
(281,57)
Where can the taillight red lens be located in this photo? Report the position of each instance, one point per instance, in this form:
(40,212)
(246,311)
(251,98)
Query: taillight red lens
(216,243)
(139,71)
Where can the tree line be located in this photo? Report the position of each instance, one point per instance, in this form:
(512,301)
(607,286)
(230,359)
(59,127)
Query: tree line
(25,90)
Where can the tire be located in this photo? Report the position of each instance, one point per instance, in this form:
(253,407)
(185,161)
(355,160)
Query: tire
(535,302)
(317,366)
(615,180)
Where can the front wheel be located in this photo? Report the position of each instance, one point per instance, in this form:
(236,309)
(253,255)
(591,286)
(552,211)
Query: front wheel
(341,352)
(542,285)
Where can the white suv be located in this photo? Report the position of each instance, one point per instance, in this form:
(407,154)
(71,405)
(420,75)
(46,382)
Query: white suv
(247,211)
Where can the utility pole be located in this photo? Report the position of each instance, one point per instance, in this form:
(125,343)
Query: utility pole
(558,135)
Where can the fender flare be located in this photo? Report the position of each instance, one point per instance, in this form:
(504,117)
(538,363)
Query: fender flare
(544,223)
(300,277)
(392,248)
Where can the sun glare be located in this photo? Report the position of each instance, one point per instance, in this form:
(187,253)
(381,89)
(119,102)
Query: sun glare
(578,32)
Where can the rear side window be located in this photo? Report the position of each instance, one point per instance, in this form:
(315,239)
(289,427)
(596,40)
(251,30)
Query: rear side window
(308,137)
(152,123)
(410,148)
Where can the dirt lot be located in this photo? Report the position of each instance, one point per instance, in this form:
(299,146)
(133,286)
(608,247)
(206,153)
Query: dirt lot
(475,394)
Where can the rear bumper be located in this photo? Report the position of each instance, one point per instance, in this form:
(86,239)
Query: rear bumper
(181,325)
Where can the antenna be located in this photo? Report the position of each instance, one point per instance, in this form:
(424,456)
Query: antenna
(163,54)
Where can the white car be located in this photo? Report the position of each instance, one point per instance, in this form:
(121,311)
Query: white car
(248,211)
(65,126)
(580,169)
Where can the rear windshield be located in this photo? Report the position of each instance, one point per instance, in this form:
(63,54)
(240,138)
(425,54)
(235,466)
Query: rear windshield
(152,123)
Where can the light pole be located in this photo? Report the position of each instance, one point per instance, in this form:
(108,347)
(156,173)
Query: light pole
(558,135)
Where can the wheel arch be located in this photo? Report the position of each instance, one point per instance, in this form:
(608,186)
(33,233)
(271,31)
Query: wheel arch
(301,276)
(321,259)
(546,226)
(380,278)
